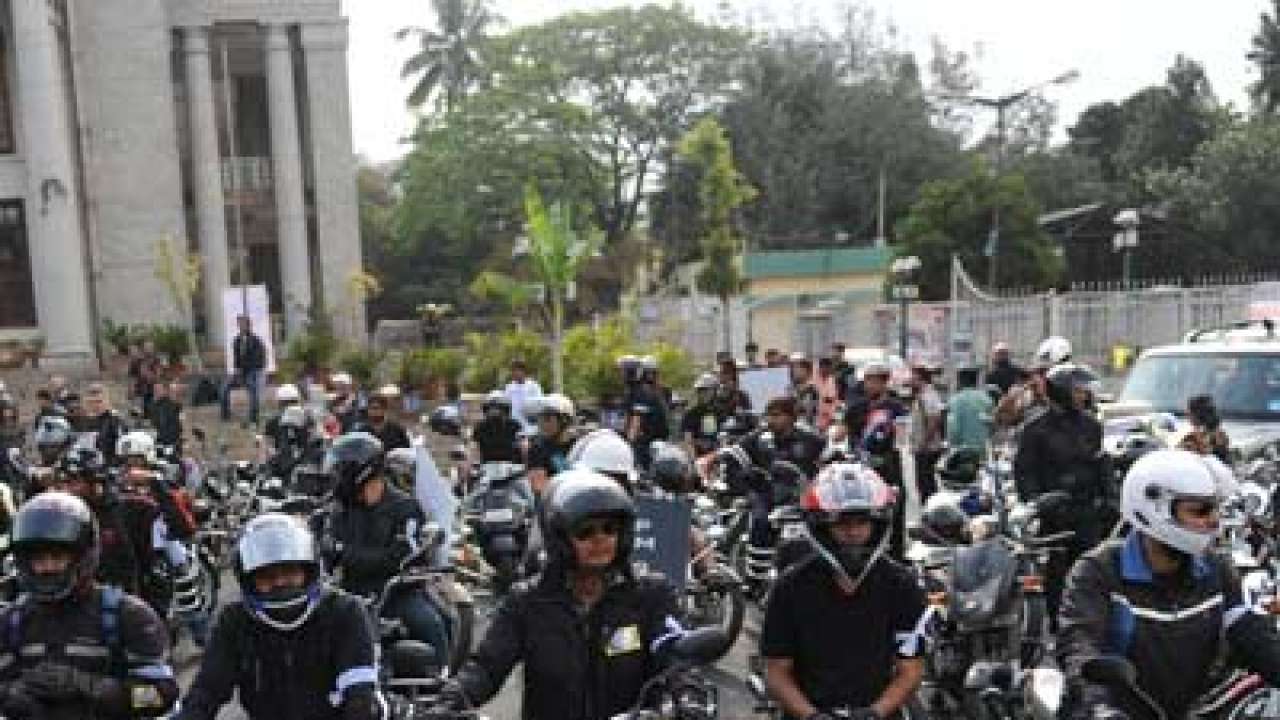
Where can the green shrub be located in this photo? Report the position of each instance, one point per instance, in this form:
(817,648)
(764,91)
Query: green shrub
(171,341)
(591,359)
(361,364)
(677,369)
(489,358)
(315,348)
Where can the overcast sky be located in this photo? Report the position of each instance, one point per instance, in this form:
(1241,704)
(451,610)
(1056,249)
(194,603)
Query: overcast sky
(1118,46)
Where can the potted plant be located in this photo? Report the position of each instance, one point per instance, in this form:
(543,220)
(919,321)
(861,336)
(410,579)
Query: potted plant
(445,367)
(172,342)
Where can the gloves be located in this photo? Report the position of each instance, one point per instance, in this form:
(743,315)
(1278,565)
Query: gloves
(56,681)
(865,713)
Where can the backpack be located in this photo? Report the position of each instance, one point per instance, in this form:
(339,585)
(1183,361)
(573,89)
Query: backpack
(112,597)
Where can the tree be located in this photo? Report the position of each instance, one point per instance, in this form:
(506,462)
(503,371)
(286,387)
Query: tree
(617,87)
(558,249)
(952,217)
(1222,204)
(1099,133)
(449,59)
(721,191)
(817,117)
(1266,55)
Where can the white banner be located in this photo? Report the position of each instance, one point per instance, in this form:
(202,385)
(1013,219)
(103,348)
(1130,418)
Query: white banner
(251,301)
(764,385)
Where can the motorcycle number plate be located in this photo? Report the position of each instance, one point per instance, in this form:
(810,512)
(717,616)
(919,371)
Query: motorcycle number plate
(792,531)
(499,515)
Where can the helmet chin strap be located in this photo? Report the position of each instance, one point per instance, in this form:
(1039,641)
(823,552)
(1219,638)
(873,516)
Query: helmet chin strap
(848,584)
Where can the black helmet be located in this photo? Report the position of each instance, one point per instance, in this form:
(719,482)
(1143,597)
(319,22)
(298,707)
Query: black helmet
(83,461)
(354,459)
(577,495)
(277,539)
(1063,380)
(670,468)
(55,520)
(958,467)
(947,522)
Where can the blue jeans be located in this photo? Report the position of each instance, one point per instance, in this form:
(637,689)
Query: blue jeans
(421,619)
(251,380)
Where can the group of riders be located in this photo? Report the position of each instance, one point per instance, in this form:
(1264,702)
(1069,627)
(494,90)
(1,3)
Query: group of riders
(98,517)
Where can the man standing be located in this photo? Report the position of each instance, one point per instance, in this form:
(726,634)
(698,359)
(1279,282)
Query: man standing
(926,428)
(828,386)
(1003,373)
(803,388)
(523,393)
(969,413)
(248,360)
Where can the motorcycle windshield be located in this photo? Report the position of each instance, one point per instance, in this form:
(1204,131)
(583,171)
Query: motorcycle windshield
(982,578)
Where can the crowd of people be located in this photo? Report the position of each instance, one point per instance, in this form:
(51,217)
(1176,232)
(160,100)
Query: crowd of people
(96,517)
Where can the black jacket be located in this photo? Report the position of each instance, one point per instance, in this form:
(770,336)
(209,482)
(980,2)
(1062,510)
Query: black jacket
(1061,451)
(1003,376)
(289,674)
(248,353)
(1171,629)
(107,429)
(74,632)
(576,666)
(373,541)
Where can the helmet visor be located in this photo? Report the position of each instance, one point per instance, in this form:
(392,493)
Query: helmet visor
(46,525)
(275,544)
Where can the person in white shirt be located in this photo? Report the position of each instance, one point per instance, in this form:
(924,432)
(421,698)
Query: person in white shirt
(523,392)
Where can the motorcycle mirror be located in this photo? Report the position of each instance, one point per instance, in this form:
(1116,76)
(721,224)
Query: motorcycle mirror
(1111,670)
(700,646)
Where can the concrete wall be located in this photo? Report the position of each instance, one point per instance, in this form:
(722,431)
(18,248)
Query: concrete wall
(123,63)
(815,285)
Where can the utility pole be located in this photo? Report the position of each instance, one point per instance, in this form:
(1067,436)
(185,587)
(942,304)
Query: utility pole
(1001,105)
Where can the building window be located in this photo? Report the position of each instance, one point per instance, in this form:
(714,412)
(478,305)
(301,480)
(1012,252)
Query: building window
(6,105)
(17,297)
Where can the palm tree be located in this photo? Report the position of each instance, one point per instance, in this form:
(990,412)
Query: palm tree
(449,57)
(1266,54)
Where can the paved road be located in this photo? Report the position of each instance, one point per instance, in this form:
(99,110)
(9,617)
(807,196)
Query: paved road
(730,673)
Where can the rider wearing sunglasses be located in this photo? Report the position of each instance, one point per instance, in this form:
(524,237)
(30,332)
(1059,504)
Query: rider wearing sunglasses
(588,631)
(1159,597)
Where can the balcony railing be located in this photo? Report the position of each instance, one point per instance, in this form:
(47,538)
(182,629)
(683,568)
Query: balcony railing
(246,174)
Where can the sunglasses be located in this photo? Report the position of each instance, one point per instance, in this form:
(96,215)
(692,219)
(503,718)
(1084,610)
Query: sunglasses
(591,528)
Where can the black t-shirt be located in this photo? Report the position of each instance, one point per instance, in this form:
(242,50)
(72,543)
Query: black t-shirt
(844,647)
(166,416)
(498,439)
(550,455)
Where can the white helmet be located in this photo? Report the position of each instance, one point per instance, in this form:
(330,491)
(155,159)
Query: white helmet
(288,393)
(294,417)
(875,367)
(604,451)
(1053,351)
(1155,482)
(556,403)
(137,444)
(403,462)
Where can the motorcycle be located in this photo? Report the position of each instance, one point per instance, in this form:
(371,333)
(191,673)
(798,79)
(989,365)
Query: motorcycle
(682,691)
(499,515)
(445,594)
(714,595)
(990,615)
(1238,697)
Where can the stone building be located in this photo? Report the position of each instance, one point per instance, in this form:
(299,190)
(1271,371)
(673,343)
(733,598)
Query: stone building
(114,119)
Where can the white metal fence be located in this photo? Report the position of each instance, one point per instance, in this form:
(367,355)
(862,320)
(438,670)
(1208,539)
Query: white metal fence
(1096,319)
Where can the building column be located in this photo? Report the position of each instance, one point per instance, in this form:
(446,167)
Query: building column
(335,165)
(206,171)
(286,161)
(53,208)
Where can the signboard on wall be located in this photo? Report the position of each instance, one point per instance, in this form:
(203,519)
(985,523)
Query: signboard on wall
(251,301)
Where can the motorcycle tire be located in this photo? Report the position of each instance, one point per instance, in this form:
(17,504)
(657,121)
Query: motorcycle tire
(1035,630)
(462,636)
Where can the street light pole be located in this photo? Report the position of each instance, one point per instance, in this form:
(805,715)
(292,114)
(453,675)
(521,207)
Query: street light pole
(1000,105)
(903,270)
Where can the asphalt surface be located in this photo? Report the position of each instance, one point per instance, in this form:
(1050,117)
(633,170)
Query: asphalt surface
(736,702)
